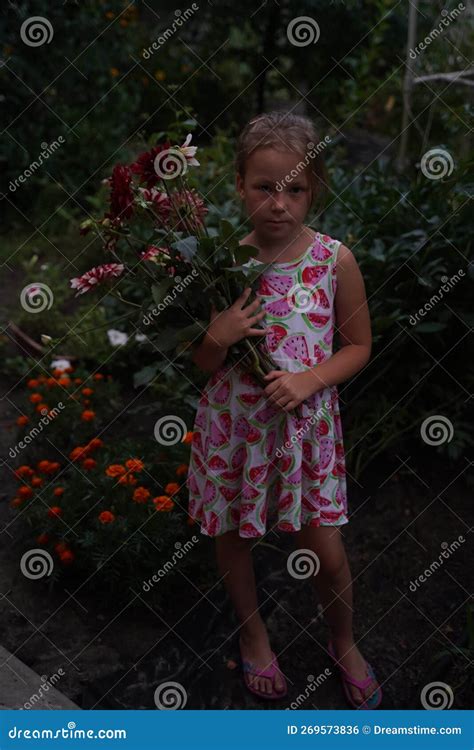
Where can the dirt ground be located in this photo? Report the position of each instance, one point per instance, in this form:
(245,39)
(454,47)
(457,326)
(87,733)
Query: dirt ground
(116,655)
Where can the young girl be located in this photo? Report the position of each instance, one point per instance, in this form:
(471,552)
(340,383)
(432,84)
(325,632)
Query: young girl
(255,463)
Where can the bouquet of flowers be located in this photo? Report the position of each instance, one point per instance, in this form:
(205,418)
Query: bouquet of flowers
(164,261)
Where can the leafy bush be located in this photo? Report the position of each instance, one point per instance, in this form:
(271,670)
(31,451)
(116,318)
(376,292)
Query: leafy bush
(92,502)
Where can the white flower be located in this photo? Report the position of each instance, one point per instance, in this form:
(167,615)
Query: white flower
(117,338)
(189,151)
(140,337)
(60,364)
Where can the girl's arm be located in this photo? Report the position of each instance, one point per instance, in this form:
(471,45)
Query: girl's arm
(209,355)
(352,324)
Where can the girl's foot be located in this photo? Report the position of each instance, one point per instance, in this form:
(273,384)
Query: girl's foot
(255,647)
(349,657)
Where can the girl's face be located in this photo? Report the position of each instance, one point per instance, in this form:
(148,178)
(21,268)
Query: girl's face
(276,201)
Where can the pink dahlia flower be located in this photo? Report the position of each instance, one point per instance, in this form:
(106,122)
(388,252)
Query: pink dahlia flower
(95,276)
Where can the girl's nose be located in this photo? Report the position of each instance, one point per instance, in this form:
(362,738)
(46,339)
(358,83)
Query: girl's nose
(279,200)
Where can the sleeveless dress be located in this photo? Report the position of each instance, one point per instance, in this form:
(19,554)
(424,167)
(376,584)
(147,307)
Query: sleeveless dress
(252,463)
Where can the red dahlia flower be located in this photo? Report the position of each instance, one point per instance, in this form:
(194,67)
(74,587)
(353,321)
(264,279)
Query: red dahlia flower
(144,166)
(121,196)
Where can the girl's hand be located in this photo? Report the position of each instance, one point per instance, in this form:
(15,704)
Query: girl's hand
(236,322)
(289,389)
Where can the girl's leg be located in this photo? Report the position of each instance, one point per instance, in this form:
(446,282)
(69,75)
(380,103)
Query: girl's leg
(235,564)
(333,584)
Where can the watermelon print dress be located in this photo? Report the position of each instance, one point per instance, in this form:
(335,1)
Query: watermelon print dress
(253,466)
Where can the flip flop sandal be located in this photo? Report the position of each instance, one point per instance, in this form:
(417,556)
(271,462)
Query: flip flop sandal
(369,703)
(249,668)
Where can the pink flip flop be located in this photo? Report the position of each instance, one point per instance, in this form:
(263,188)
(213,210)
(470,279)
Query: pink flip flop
(270,672)
(369,703)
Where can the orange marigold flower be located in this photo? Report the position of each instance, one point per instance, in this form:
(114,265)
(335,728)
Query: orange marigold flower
(87,391)
(35,398)
(69,369)
(134,464)
(42,408)
(22,420)
(88,415)
(163,502)
(44,466)
(78,453)
(51,382)
(78,381)
(128,478)
(115,470)
(181,470)
(141,495)
(65,381)
(23,471)
(95,443)
(172,488)
(54,466)
(36,481)
(16,502)
(98,376)
(33,383)
(58,491)
(55,511)
(106,516)
(89,463)
(188,438)
(42,539)
(25,491)
(60,547)
(67,556)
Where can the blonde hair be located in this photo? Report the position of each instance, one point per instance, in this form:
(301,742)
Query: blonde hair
(284,131)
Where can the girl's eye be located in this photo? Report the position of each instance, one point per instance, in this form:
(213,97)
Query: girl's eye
(297,188)
(265,187)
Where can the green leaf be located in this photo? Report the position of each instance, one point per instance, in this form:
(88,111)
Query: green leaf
(243,253)
(187,246)
(145,375)
(159,291)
